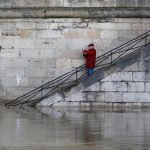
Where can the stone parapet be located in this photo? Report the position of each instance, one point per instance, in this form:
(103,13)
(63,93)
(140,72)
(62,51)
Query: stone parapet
(76,12)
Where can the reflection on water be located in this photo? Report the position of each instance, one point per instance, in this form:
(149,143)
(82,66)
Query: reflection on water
(74,129)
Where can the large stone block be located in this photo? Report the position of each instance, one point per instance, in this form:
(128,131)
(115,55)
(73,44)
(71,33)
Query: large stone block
(127,20)
(125,3)
(136,97)
(8,26)
(94,96)
(81,33)
(94,87)
(127,35)
(109,34)
(54,26)
(49,53)
(35,82)
(27,34)
(42,25)
(61,71)
(35,72)
(5,3)
(76,97)
(15,92)
(77,62)
(11,72)
(136,86)
(77,44)
(95,25)
(7,62)
(51,34)
(113,86)
(7,43)
(12,82)
(63,63)
(24,43)
(145,20)
(2,72)
(115,26)
(113,97)
(10,34)
(141,27)
(85,3)
(43,62)
(26,25)
(30,53)
(119,76)
(139,76)
(9,53)
(2,91)
(47,43)
(147,87)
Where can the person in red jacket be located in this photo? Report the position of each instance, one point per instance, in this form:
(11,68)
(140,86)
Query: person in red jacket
(90,56)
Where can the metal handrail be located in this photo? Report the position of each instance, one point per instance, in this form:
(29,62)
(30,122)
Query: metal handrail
(76,75)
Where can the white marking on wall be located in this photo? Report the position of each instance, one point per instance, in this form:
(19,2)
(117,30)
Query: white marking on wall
(18,78)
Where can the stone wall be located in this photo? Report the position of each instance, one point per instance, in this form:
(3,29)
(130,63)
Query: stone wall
(46,48)
(40,49)
(73,3)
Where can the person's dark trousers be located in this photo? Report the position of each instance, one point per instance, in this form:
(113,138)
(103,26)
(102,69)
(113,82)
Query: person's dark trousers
(90,71)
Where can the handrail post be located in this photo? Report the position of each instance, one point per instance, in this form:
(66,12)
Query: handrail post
(41,92)
(146,38)
(76,75)
(111,57)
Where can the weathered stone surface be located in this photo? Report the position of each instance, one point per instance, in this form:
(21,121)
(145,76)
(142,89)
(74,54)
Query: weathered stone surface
(51,34)
(42,25)
(136,97)
(139,27)
(129,20)
(2,92)
(11,72)
(63,63)
(35,82)
(123,35)
(113,97)
(77,62)
(113,86)
(95,96)
(16,92)
(23,43)
(136,86)
(94,87)
(119,76)
(29,53)
(73,3)
(115,26)
(12,82)
(147,86)
(139,76)
(109,34)
(35,72)
(81,33)
(26,25)
(78,97)
(9,53)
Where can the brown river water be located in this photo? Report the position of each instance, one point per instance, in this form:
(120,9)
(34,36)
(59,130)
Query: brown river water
(74,129)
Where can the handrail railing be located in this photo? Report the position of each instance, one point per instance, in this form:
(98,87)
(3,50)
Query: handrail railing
(76,75)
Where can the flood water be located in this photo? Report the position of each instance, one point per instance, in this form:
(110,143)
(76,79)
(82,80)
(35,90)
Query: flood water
(74,129)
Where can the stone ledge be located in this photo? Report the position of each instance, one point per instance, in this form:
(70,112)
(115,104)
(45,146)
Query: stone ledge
(74,12)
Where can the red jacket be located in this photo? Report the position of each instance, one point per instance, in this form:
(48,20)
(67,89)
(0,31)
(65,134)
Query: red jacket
(90,56)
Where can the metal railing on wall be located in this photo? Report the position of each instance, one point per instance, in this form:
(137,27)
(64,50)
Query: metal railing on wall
(76,75)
